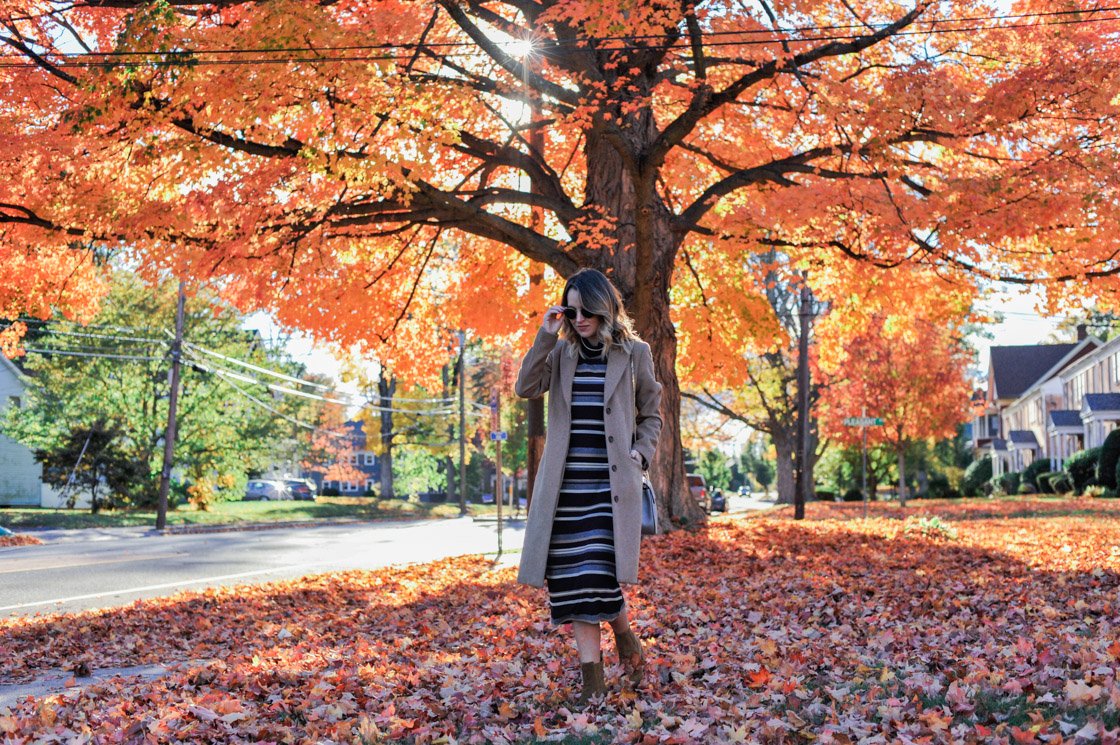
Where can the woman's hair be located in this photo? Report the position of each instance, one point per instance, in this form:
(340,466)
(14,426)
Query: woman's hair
(599,297)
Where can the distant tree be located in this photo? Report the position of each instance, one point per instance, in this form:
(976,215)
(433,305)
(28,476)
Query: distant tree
(112,380)
(94,460)
(713,467)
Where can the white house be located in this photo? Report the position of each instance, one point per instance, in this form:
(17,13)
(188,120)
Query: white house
(20,474)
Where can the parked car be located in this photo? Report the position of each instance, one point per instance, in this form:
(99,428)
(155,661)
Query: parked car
(745,490)
(719,500)
(266,491)
(699,489)
(300,489)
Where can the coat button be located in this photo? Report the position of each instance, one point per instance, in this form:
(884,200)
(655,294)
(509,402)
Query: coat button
(608,410)
(614,468)
(616,497)
(610,439)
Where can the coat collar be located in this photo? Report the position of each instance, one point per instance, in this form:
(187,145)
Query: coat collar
(618,363)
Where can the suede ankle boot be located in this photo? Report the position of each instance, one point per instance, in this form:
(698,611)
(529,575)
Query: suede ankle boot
(631,655)
(594,684)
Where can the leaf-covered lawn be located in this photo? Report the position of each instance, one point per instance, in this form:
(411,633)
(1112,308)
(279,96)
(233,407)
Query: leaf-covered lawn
(323,508)
(757,630)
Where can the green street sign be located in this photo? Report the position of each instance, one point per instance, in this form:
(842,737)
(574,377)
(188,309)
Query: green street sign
(863,421)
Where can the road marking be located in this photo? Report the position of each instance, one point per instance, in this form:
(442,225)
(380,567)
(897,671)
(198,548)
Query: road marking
(164,586)
(80,563)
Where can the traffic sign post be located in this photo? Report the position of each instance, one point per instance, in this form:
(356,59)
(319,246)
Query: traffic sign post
(497,436)
(863,421)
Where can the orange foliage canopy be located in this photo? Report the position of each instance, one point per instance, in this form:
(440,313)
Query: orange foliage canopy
(362,169)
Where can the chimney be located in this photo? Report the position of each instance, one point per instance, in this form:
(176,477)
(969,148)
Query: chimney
(1082,332)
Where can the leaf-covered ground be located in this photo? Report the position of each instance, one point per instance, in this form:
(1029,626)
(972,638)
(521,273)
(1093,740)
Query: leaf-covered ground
(758,630)
(19,539)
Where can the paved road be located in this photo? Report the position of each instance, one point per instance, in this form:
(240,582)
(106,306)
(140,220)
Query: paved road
(80,569)
(102,568)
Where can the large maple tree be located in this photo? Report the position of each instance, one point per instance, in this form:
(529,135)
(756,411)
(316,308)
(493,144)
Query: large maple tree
(364,168)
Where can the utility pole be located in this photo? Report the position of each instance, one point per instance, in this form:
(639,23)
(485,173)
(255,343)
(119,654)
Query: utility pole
(803,480)
(172,407)
(462,423)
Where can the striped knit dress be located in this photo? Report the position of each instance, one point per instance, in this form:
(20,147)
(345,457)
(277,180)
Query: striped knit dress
(582,585)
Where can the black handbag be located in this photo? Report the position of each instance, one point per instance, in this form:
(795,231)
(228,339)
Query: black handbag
(649,496)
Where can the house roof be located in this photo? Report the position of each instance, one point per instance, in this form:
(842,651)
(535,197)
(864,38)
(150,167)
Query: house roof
(1102,401)
(1065,418)
(999,444)
(1023,438)
(1015,369)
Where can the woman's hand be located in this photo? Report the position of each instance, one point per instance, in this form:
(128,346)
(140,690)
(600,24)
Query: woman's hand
(553,319)
(637,457)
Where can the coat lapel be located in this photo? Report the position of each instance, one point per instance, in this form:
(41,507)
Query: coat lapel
(618,364)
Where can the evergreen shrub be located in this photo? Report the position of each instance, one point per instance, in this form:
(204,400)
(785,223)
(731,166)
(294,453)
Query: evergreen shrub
(976,476)
(1082,468)
(1106,464)
(1034,470)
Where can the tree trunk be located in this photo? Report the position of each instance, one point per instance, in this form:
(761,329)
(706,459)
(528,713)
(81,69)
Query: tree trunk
(641,266)
(902,478)
(787,484)
(386,387)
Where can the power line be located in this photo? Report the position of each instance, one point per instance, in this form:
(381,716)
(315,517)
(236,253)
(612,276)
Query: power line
(256,368)
(88,354)
(682,45)
(279,413)
(582,43)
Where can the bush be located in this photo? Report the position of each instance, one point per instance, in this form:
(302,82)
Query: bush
(1007,483)
(1026,488)
(1106,463)
(1043,482)
(1082,468)
(823,495)
(1061,483)
(1033,471)
(369,493)
(976,476)
(938,485)
(853,495)
(953,494)
(330,491)
(1096,490)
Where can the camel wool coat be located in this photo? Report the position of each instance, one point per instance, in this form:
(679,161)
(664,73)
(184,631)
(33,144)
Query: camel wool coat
(549,367)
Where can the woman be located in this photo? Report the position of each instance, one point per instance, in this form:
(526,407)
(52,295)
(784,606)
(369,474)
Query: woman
(584,528)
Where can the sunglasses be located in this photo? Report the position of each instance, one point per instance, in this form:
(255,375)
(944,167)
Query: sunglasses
(570,314)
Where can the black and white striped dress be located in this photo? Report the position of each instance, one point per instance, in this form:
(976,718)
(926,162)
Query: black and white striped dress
(582,585)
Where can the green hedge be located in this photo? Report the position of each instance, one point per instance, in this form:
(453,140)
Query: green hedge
(1082,468)
(1042,481)
(978,473)
(1106,464)
(853,495)
(1033,471)
(1061,483)
(1007,483)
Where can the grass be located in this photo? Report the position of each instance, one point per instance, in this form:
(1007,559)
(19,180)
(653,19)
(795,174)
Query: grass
(323,508)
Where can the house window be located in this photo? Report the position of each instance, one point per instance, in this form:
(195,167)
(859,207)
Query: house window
(370,484)
(14,401)
(369,459)
(351,486)
(354,459)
